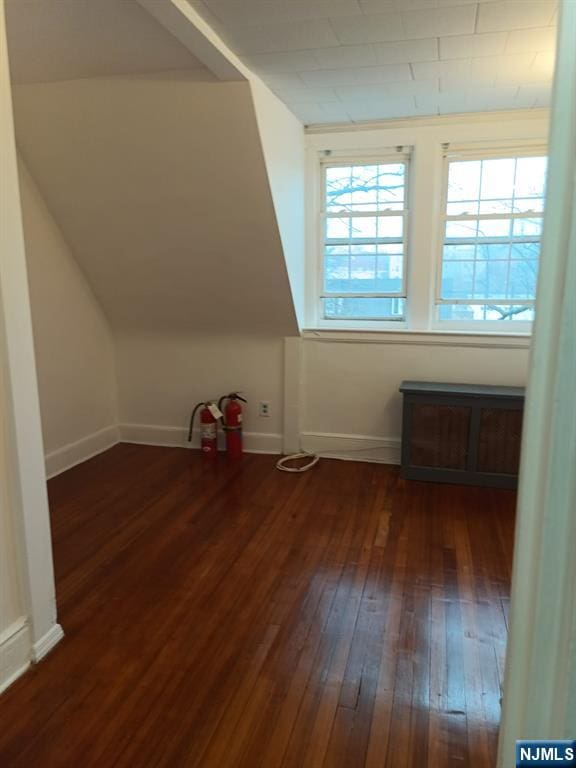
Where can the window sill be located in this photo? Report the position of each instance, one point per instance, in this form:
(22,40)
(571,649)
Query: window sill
(439,338)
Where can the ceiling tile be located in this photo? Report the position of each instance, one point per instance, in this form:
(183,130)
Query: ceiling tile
(346,56)
(510,68)
(439,22)
(386,90)
(343,60)
(534,96)
(462,46)
(525,40)
(364,93)
(370,7)
(470,100)
(278,63)
(304,94)
(361,75)
(413,87)
(284,80)
(512,14)
(320,112)
(383,110)
(428,70)
(292,36)
(245,13)
(406,51)
(542,68)
(381,6)
(369,29)
(247,40)
(321,9)
(457,82)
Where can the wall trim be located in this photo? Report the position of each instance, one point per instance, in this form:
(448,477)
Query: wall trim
(47,642)
(332,445)
(475,118)
(177,437)
(14,652)
(75,453)
(420,338)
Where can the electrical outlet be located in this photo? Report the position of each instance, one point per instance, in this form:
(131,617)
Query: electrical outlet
(264,409)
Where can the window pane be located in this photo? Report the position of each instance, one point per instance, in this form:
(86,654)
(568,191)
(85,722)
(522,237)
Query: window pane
(464,180)
(459,252)
(496,206)
(523,276)
(468,207)
(390,226)
(336,272)
(527,227)
(458,312)
(497,179)
(365,187)
(493,251)
(494,228)
(363,246)
(338,229)
(364,308)
(461,229)
(530,177)
(482,257)
(389,270)
(458,279)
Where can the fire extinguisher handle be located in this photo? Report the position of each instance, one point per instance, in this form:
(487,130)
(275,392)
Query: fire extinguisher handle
(224,397)
(191,429)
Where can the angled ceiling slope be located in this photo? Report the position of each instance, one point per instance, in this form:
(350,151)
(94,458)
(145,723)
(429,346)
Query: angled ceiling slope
(66,39)
(160,185)
(160,188)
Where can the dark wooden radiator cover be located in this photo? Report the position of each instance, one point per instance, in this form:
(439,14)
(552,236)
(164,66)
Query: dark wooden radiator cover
(461,433)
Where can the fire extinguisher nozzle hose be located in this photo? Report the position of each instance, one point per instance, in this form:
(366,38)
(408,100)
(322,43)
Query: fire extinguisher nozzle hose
(191,429)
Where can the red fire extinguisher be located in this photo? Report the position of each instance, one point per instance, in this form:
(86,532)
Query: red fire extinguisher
(232,423)
(208,439)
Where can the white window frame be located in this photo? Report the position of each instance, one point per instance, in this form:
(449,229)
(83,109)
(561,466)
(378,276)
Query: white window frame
(465,154)
(334,158)
(425,151)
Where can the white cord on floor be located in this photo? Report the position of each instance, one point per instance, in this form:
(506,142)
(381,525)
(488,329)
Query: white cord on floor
(314,459)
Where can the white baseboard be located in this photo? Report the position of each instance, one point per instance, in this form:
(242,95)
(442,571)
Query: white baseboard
(47,642)
(177,437)
(75,453)
(383,450)
(15,651)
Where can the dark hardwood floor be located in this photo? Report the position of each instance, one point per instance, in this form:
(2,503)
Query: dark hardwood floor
(232,615)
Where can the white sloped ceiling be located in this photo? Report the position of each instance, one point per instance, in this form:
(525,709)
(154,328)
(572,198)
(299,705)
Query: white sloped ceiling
(160,188)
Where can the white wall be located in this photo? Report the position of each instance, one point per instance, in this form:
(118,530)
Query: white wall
(351,399)
(350,380)
(27,572)
(72,339)
(283,145)
(15,644)
(162,376)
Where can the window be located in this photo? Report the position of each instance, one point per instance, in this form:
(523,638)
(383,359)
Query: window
(491,246)
(364,224)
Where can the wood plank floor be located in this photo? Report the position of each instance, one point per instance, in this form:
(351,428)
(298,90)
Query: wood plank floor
(235,616)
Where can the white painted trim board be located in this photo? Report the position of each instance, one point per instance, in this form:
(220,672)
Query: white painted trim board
(70,455)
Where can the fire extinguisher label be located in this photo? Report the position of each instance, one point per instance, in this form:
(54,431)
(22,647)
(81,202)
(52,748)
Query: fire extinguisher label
(239,418)
(215,411)
(207,431)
